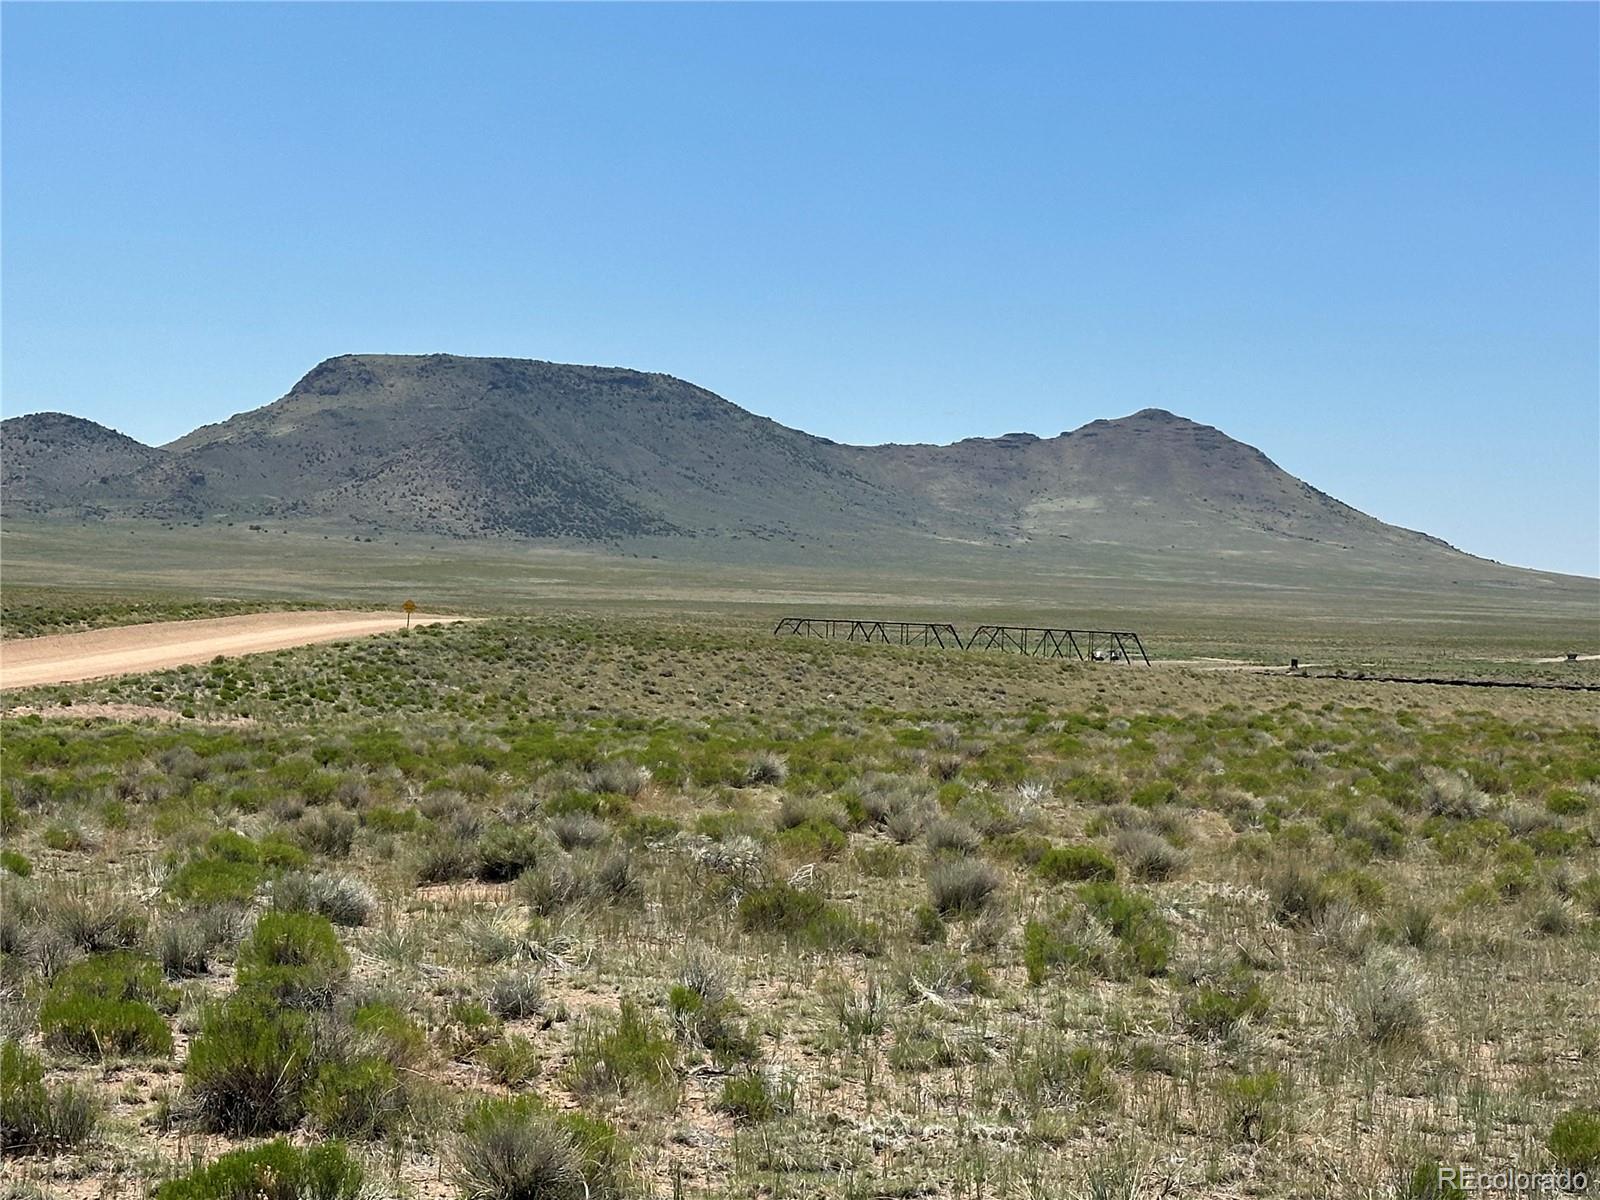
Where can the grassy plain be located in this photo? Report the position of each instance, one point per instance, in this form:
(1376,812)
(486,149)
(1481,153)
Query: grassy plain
(1185,606)
(752,917)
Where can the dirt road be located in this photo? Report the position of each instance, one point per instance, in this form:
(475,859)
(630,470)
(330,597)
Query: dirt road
(68,657)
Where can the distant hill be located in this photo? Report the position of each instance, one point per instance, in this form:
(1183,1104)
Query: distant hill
(50,460)
(490,447)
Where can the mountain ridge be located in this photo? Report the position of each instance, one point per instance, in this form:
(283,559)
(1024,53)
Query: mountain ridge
(493,447)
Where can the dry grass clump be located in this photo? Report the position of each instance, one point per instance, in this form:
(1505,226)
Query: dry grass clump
(1343,928)
(1554,916)
(618,777)
(610,877)
(705,1013)
(516,993)
(906,824)
(945,835)
(520,1149)
(330,832)
(1149,855)
(95,920)
(549,887)
(767,767)
(962,887)
(1298,894)
(1387,1000)
(1414,924)
(343,899)
(882,797)
(1452,794)
(577,831)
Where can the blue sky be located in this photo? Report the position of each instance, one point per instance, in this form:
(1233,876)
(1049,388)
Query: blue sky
(1361,237)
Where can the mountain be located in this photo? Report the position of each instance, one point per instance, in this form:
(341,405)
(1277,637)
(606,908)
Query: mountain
(477,447)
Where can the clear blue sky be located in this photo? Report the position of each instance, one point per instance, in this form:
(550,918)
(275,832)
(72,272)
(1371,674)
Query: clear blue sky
(1361,237)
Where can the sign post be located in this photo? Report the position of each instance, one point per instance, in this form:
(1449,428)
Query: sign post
(410,606)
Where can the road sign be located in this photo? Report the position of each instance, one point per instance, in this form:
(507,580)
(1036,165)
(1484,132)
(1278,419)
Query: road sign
(410,606)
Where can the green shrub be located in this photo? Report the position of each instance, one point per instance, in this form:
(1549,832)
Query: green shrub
(621,1057)
(118,975)
(1567,804)
(35,1119)
(11,815)
(1145,935)
(506,851)
(1427,1181)
(1258,1106)
(275,1171)
(105,1006)
(705,1015)
(511,1061)
(15,863)
(1574,1140)
(470,1027)
(1213,1009)
(755,1097)
(927,925)
(805,918)
(814,839)
(1075,864)
(1067,939)
(361,1098)
(215,881)
(520,1149)
(392,820)
(391,1033)
(67,838)
(295,958)
(248,1066)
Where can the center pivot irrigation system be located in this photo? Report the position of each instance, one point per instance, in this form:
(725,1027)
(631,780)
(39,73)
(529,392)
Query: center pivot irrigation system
(1087,645)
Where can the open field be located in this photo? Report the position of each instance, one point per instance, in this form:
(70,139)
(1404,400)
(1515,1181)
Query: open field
(122,650)
(1217,610)
(757,917)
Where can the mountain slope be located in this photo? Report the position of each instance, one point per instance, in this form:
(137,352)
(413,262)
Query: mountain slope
(439,444)
(497,446)
(1150,479)
(52,458)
